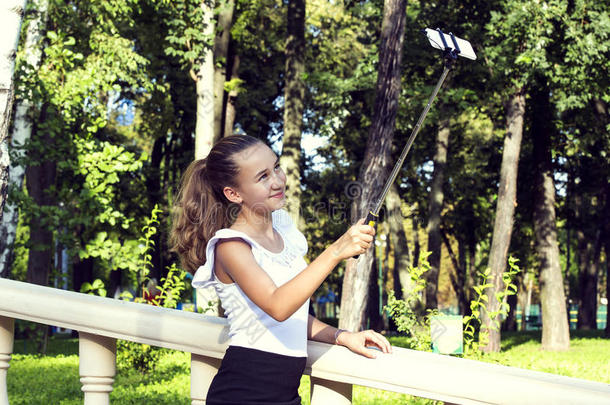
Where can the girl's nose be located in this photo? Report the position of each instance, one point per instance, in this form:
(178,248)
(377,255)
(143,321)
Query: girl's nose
(278,179)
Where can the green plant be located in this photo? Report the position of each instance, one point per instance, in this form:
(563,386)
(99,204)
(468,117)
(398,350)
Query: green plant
(144,358)
(405,313)
(171,287)
(97,287)
(473,341)
(136,356)
(146,244)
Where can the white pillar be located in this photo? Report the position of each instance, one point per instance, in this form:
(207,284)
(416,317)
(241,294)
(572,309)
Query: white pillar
(7,327)
(203,369)
(330,392)
(97,367)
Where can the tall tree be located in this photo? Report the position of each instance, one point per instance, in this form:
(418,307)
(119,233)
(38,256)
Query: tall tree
(41,182)
(204,79)
(602,113)
(11,14)
(294,102)
(556,331)
(402,258)
(230,109)
(435,208)
(376,160)
(579,83)
(22,128)
(519,34)
(505,209)
(221,64)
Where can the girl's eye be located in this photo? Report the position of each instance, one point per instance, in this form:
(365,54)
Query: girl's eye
(264,176)
(277,167)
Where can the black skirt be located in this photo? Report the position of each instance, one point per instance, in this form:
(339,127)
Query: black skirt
(255,377)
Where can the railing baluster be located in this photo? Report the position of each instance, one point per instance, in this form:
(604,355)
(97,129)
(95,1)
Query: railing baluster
(203,369)
(7,336)
(97,367)
(330,392)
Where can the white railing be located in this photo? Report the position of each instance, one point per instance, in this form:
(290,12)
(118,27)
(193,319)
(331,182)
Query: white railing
(333,369)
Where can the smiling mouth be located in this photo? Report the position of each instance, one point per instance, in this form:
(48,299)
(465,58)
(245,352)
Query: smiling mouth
(278,195)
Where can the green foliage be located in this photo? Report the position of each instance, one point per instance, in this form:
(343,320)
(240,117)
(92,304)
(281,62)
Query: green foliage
(171,288)
(186,35)
(136,356)
(145,358)
(95,288)
(85,63)
(405,313)
(146,241)
(473,339)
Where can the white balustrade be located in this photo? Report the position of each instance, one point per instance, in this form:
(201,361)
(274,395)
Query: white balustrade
(97,367)
(7,327)
(203,369)
(330,392)
(333,369)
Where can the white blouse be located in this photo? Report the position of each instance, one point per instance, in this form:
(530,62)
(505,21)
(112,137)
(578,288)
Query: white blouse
(249,325)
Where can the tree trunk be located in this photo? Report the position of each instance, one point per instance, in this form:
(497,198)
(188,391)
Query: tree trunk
(402,259)
(587,310)
(463,303)
(416,246)
(204,126)
(505,208)
(375,321)
(470,274)
(82,272)
(373,171)
(11,14)
(607,248)
(510,323)
(522,294)
(587,272)
(457,275)
(40,179)
(221,50)
(555,327)
(606,240)
(294,101)
(434,216)
(230,112)
(22,129)
(155,195)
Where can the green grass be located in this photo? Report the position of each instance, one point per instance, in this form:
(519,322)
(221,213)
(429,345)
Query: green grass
(54,379)
(587,358)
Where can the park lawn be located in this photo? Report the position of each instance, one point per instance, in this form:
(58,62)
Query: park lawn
(54,379)
(588,357)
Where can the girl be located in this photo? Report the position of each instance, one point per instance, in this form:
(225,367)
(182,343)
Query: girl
(231,232)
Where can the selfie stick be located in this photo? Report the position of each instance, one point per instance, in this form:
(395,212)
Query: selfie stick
(452,47)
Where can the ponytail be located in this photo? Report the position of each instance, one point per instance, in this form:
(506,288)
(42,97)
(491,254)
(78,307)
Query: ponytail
(201,208)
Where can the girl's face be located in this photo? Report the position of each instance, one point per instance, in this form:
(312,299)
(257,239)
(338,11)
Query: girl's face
(261,182)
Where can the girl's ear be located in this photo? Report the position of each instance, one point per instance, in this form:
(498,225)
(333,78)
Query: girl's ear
(232,195)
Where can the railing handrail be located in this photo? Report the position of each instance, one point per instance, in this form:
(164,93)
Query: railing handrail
(422,374)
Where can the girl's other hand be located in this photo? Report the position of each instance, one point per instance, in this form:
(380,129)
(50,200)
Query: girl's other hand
(358,342)
(355,241)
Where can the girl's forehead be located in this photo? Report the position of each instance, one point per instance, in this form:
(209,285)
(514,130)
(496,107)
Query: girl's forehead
(259,155)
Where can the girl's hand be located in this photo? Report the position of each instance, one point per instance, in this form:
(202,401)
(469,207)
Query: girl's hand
(357,342)
(355,241)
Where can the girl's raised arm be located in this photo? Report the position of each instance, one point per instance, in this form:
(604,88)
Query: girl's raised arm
(236,259)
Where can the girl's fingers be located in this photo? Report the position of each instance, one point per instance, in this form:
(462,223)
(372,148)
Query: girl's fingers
(380,341)
(367,229)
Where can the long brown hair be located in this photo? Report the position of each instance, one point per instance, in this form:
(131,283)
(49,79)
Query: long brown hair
(201,207)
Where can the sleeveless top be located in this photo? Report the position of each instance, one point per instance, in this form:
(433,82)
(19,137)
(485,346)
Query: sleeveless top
(249,325)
